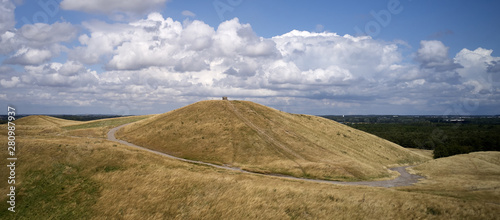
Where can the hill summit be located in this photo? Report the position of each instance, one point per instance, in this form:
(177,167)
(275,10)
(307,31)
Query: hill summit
(261,139)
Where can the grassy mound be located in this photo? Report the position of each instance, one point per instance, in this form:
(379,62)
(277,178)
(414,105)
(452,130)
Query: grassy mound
(45,121)
(473,176)
(261,139)
(35,125)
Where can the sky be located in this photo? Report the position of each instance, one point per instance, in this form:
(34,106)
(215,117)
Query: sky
(387,57)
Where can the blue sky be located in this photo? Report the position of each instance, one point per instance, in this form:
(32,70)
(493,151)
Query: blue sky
(456,23)
(344,57)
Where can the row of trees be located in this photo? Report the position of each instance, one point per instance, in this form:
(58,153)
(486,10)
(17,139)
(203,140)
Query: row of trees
(446,139)
(446,135)
(3,118)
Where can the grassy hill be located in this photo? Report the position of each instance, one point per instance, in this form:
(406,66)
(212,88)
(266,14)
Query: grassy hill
(473,176)
(35,123)
(44,121)
(261,139)
(62,176)
(45,125)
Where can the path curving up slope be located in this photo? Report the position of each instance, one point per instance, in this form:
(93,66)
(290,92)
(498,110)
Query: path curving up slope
(404,179)
(261,139)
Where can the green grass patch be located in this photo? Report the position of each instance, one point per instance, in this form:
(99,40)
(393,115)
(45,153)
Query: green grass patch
(61,192)
(109,168)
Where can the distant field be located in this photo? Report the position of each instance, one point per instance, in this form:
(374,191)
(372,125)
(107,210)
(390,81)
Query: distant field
(446,136)
(105,122)
(62,176)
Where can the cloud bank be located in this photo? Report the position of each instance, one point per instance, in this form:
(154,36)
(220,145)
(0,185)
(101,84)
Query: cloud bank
(145,65)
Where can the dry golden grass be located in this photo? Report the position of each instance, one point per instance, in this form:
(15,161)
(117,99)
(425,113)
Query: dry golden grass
(426,153)
(473,176)
(99,128)
(46,125)
(63,177)
(41,124)
(261,139)
(45,121)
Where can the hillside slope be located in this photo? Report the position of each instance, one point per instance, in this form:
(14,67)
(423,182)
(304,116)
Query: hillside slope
(35,124)
(473,176)
(261,139)
(47,125)
(45,121)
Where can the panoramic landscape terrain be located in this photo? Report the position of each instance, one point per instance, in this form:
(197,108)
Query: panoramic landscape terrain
(249,109)
(71,170)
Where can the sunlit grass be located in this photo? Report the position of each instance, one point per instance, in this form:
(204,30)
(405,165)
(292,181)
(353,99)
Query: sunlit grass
(473,176)
(426,153)
(63,177)
(105,122)
(262,139)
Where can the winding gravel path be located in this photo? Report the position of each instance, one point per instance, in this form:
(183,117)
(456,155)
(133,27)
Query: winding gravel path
(404,179)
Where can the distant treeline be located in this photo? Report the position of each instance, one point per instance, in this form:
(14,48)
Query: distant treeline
(4,118)
(85,117)
(447,136)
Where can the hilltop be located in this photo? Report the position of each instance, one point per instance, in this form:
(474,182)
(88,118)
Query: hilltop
(261,139)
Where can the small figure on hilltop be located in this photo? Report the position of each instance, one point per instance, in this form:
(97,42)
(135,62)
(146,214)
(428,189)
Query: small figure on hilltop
(224,98)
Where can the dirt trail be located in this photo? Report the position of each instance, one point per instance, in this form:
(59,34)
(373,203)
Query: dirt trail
(404,179)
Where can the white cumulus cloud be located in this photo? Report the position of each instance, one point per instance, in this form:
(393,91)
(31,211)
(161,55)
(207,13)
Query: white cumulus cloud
(7,18)
(477,70)
(10,83)
(29,56)
(434,54)
(55,74)
(35,44)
